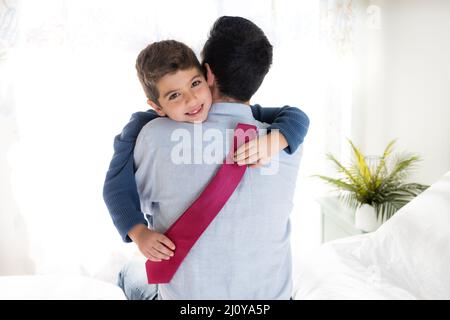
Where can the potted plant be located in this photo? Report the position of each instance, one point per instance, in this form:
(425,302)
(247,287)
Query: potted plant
(375,186)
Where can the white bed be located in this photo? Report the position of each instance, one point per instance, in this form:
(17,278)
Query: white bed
(57,287)
(408,257)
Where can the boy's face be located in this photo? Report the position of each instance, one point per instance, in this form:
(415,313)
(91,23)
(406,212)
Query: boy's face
(183,96)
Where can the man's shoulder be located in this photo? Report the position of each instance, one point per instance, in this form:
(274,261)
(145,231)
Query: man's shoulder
(159,130)
(158,124)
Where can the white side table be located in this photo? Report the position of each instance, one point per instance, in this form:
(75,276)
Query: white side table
(337,220)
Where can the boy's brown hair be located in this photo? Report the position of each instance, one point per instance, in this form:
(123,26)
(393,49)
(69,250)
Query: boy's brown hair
(161,58)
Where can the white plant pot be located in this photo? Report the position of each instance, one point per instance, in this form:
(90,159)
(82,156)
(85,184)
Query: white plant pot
(366,218)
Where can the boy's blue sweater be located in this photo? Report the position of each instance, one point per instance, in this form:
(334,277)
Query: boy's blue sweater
(120,190)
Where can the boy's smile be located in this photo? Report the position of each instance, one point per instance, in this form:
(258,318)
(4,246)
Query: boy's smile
(184,96)
(195,111)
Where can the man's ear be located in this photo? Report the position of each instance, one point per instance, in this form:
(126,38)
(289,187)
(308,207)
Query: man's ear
(210,77)
(157,108)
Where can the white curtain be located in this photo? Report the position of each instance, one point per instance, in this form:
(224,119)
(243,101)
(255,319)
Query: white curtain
(68,85)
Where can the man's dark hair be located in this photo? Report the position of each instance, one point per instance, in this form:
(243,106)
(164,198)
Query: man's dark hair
(239,55)
(161,58)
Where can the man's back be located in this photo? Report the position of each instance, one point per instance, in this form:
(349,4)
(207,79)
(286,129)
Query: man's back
(245,251)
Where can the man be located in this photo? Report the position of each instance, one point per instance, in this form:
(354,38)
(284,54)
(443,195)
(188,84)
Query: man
(245,251)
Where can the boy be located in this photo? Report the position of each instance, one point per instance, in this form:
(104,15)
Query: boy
(175,85)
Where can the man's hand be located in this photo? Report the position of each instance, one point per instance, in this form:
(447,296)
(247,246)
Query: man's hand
(153,245)
(259,151)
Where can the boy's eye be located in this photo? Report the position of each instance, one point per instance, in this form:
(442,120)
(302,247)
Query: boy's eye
(196,83)
(174,96)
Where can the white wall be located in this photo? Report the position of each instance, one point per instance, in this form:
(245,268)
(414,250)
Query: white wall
(403,87)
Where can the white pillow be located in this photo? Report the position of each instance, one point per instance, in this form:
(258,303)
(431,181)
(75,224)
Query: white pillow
(412,249)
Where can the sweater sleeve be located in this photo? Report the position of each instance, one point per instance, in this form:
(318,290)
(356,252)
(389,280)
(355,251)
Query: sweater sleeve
(292,122)
(119,190)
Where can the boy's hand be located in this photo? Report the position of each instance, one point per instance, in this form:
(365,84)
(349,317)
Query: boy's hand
(153,245)
(260,151)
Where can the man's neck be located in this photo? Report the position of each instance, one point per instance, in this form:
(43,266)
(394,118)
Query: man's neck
(217,97)
(230,100)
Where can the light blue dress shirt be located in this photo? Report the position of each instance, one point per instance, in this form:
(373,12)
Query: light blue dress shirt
(245,252)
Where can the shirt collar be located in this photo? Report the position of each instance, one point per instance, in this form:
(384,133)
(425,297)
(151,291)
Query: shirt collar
(232,108)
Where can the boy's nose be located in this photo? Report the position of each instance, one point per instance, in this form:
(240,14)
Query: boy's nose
(191,99)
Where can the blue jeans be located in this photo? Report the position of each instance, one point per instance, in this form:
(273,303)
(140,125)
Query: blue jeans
(132,280)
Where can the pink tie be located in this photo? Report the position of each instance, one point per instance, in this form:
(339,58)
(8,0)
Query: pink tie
(186,230)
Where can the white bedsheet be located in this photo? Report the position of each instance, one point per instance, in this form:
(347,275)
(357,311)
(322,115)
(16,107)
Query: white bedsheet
(57,287)
(336,272)
(408,257)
